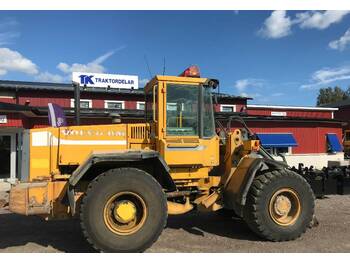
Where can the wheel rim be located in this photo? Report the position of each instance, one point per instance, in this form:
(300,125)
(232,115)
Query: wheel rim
(285,207)
(125,213)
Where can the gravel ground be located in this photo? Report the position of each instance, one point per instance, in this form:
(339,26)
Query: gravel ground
(193,232)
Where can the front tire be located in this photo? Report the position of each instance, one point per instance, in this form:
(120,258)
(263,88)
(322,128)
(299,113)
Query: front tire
(124,210)
(280,205)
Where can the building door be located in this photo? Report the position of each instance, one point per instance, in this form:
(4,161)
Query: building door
(7,156)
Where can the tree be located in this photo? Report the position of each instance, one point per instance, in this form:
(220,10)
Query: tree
(331,95)
(347,92)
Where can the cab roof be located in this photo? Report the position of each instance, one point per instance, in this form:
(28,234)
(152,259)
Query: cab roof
(194,80)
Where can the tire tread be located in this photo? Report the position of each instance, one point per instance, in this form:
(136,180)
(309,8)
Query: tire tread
(251,212)
(92,184)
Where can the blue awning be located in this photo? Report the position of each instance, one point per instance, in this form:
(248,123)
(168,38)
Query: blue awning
(277,140)
(333,142)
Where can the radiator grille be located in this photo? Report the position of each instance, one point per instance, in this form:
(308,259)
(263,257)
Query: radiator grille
(140,132)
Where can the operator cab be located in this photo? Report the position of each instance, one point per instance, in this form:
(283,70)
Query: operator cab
(181,111)
(188,104)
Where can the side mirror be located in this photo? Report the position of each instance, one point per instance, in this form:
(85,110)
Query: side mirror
(212,83)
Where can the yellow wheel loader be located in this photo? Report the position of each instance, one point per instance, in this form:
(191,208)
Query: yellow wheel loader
(123,180)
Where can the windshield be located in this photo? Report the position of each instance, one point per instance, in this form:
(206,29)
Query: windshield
(182,110)
(185,111)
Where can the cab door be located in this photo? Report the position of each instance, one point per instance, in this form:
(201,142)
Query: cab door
(183,143)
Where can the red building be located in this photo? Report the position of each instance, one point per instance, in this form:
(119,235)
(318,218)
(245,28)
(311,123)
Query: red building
(293,111)
(290,130)
(34,97)
(343,112)
(309,125)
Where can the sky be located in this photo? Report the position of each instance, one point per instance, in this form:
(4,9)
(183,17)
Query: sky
(275,57)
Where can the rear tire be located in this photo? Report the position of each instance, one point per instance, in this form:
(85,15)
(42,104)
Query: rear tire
(280,205)
(124,210)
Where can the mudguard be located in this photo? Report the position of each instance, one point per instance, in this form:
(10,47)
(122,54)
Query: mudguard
(126,157)
(236,190)
(119,158)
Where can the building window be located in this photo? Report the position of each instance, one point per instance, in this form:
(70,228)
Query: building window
(112,104)
(140,105)
(84,103)
(3,119)
(279,150)
(277,143)
(333,144)
(228,108)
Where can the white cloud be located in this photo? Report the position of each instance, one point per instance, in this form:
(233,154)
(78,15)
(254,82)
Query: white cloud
(319,20)
(94,66)
(252,95)
(342,42)
(76,67)
(104,57)
(143,82)
(257,97)
(327,75)
(262,98)
(48,77)
(277,25)
(243,84)
(7,31)
(11,60)
(7,37)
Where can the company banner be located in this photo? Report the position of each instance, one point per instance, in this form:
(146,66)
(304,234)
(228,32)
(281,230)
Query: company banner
(106,80)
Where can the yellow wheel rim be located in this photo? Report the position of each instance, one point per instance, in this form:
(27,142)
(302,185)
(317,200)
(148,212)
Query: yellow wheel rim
(285,207)
(125,213)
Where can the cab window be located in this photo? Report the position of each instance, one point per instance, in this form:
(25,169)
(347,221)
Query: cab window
(182,110)
(151,102)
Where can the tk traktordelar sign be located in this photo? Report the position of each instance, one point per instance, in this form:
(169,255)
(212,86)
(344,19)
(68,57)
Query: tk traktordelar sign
(106,80)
